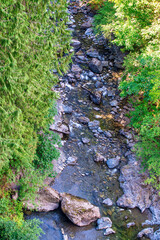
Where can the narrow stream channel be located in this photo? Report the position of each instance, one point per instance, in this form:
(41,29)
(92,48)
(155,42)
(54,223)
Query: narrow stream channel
(87,178)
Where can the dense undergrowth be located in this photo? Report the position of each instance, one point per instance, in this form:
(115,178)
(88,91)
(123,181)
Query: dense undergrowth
(135,26)
(34,41)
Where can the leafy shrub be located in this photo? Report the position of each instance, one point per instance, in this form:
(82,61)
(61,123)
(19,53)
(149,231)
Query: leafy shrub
(10,230)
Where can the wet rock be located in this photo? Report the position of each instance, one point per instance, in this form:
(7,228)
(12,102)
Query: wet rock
(147,232)
(78,210)
(114,103)
(99,158)
(47,199)
(156,235)
(108,202)
(96,97)
(89,32)
(67,109)
(85,140)
(109,231)
(93,125)
(113,162)
(130,224)
(60,128)
(76,44)
(87,24)
(125,134)
(119,65)
(107,134)
(76,69)
(110,93)
(155,209)
(72,160)
(90,74)
(92,53)
(105,63)
(136,192)
(83,120)
(95,65)
(98,84)
(103,223)
(95,78)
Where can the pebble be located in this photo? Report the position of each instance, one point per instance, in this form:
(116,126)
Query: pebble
(109,231)
(72,160)
(85,140)
(130,224)
(103,223)
(108,202)
(114,103)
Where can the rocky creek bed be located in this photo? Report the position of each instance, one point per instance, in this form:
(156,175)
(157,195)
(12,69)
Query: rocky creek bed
(96,161)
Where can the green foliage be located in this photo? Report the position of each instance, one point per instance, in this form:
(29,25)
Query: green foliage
(34,41)
(46,152)
(10,230)
(136,26)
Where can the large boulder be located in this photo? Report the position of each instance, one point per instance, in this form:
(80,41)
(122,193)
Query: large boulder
(47,199)
(136,192)
(78,210)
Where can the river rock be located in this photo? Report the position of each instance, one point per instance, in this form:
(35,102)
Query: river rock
(113,162)
(98,84)
(76,69)
(109,231)
(46,200)
(103,223)
(147,232)
(108,202)
(94,125)
(72,160)
(96,97)
(136,192)
(125,134)
(156,235)
(78,210)
(87,24)
(95,65)
(99,158)
(92,53)
(85,140)
(60,128)
(83,120)
(76,44)
(114,103)
(130,224)
(67,109)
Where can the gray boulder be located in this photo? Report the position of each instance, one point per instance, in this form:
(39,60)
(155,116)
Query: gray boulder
(78,210)
(96,66)
(136,192)
(46,200)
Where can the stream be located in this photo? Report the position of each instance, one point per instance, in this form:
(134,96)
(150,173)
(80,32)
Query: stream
(86,178)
